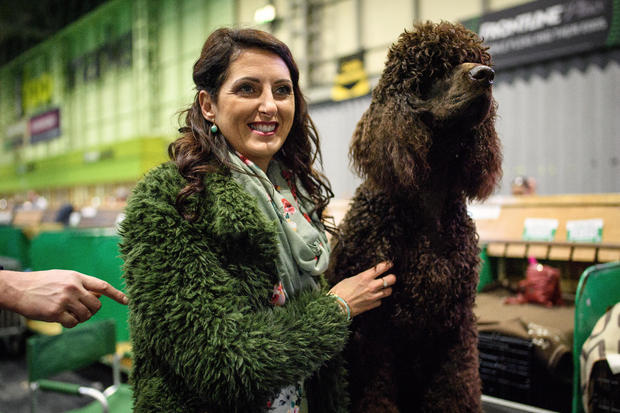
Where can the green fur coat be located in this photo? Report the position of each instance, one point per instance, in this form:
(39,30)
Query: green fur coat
(205,335)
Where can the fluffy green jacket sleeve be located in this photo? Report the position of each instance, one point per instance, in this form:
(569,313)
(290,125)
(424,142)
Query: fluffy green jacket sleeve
(205,336)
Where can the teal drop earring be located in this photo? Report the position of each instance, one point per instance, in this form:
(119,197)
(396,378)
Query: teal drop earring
(214,128)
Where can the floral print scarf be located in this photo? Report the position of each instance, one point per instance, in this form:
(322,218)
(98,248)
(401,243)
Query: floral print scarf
(303,249)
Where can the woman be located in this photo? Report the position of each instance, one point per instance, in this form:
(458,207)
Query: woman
(224,248)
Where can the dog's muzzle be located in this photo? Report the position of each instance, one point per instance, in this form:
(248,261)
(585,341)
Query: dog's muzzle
(482,74)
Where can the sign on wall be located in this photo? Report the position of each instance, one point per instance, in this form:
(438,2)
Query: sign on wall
(547,29)
(45,126)
(37,91)
(14,135)
(91,66)
(352,80)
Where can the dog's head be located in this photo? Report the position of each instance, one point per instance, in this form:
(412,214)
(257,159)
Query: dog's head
(432,114)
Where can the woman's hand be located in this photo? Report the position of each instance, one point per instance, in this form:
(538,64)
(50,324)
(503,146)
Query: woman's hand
(364,291)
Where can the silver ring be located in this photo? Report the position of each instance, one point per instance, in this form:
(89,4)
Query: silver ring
(385,285)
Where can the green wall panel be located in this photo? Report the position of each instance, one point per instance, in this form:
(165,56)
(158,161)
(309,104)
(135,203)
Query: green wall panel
(14,245)
(107,103)
(121,162)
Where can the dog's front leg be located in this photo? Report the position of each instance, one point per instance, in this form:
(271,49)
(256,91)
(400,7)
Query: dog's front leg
(374,387)
(456,386)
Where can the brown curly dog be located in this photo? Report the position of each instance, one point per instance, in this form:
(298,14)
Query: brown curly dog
(425,146)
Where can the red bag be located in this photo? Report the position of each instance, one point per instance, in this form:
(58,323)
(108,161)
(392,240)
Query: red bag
(540,286)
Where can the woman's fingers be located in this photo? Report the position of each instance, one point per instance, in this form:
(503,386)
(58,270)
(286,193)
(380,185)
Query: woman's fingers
(389,280)
(377,270)
(364,291)
(381,294)
(383,282)
(376,285)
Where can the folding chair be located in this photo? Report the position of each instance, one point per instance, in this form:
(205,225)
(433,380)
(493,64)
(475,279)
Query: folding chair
(74,349)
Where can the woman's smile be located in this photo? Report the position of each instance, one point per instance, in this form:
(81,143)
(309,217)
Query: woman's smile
(264,128)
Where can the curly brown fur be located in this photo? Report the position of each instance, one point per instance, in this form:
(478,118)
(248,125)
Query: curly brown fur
(425,146)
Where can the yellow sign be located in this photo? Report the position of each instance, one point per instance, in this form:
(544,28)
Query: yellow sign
(37,91)
(351,80)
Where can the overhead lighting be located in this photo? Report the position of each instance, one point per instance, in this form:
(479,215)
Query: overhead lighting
(265,14)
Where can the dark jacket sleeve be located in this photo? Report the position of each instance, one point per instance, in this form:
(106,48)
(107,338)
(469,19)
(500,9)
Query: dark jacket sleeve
(205,313)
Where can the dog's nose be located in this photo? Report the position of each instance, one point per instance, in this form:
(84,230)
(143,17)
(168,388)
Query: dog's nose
(482,74)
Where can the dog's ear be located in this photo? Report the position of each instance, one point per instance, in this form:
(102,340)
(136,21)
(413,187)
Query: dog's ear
(484,163)
(390,145)
(360,146)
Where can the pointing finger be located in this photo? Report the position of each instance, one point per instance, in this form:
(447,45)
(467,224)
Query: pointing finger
(96,285)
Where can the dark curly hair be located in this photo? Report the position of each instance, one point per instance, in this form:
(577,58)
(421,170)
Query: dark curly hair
(433,49)
(199,151)
(393,142)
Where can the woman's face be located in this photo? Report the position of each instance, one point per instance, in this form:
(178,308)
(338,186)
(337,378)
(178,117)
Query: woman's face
(255,105)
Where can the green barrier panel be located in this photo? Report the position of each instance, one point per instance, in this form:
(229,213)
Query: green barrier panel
(89,251)
(14,245)
(598,290)
(72,350)
(486,275)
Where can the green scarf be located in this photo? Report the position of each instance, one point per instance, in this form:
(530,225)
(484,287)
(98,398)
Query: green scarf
(303,249)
